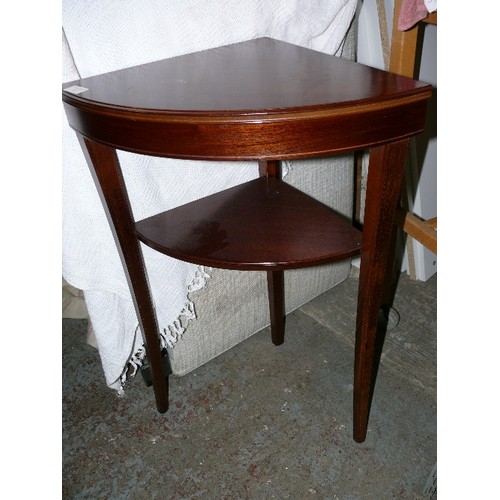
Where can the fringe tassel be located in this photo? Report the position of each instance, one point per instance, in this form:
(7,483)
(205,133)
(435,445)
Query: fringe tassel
(200,279)
(171,334)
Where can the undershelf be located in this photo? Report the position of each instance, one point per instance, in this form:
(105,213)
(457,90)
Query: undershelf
(264,224)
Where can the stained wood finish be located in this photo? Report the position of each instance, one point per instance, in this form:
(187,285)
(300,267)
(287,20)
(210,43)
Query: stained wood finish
(275,279)
(108,179)
(270,169)
(259,100)
(264,224)
(382,196)
(276,291)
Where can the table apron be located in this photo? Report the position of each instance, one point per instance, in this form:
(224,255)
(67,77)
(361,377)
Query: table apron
(307,136)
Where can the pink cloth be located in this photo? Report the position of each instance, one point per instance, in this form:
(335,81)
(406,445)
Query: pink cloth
(412,11)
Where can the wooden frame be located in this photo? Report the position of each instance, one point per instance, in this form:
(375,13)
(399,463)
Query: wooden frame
(404,60)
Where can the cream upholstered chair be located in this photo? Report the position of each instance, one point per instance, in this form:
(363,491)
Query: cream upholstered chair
(233,305)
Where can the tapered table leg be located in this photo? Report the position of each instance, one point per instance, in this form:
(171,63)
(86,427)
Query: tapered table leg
(276,291)
(275,279)
(385,176)
(104,166)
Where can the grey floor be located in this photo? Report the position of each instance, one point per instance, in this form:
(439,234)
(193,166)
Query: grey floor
(262,422)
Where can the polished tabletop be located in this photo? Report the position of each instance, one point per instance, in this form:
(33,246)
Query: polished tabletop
(259,99)
(256,76)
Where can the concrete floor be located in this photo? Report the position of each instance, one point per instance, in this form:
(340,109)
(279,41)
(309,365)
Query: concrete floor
(262,422)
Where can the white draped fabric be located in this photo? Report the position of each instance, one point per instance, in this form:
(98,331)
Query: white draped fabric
(99,37)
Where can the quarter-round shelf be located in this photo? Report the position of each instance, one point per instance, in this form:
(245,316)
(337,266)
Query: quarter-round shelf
(264,224)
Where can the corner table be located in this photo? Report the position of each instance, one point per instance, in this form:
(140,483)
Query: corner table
(263,100)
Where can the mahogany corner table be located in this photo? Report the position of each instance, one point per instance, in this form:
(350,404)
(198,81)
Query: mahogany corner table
(261,100)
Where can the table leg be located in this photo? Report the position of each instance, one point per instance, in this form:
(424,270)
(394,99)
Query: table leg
(275,279)
(276,291)
(105,168)
(385,176)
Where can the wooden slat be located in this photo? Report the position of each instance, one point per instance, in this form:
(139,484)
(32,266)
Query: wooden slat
(432,18)
(403,47)
(433,222)
(423,231)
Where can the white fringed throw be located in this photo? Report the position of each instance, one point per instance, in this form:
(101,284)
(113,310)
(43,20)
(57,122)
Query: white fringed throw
(101,36)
